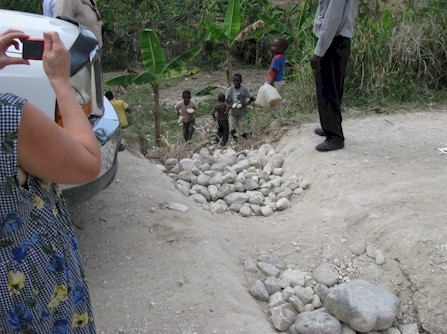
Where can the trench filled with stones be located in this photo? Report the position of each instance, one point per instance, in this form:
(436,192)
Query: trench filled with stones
(249,182)
(324,300)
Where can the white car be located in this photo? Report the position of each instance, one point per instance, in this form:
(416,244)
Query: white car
(30,82)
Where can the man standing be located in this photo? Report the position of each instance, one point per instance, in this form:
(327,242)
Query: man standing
(48,8)
(333,26)
(85,11)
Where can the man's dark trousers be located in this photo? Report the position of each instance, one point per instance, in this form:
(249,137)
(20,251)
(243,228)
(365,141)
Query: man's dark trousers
(329,83)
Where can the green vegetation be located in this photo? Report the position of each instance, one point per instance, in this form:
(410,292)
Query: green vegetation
(157,71)
(398,59)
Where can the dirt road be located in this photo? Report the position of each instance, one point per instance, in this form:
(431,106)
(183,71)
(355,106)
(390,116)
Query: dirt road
(154,270)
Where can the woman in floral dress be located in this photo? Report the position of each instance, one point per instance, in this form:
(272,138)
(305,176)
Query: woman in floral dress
(42,284)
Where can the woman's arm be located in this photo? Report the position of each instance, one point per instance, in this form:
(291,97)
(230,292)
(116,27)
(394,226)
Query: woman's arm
(63,155)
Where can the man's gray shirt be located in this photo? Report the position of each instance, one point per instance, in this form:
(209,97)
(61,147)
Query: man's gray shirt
(333,18)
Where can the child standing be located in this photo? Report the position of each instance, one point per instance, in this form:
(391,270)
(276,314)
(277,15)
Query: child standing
(237,98)
(276,71)
(121,108)
(223,128)
(187,110)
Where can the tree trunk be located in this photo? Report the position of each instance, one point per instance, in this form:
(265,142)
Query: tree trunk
(229,69)
(157,115)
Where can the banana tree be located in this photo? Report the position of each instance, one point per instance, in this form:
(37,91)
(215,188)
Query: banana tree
(230,32)
(157,71)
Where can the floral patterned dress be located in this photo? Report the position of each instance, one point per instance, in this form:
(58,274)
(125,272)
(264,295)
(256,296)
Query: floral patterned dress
(42,284)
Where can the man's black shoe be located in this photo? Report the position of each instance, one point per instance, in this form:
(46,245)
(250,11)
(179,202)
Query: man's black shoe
(320,132)
(330,145)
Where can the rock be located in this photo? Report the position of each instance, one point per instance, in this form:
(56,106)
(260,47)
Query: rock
(316,302)
(298,191)
(292,278)
(188,165)
(282,204)
(216,179)
(268,269)
(266,211)
(259,156)
(199,198)
(161,168)
(183,187)
(325,274)
(186,175)
(268,169)
(266,148)
(205,194)
(391,331)
(250,184)
(321,291)
(276,300)
(380,258)
(283,316)
(277,160)
(409,329)
(303,294)
(228,178)
(218,207)
(256,198)
(317,322)
(251,265)
(285,193)
(345,329)
(272,285)
(259,292)
(241,165)
(204,167)
(304,184)
(245,211)
(287,292)
(275,260)
(296,303)
(203,180)
(363,306)
(228,159)
(358,247)
(169,163)
(256,209)
(226,189)
(178,207)
(371,252)
(236,197)
(212,189)
(278,171)
(236,207)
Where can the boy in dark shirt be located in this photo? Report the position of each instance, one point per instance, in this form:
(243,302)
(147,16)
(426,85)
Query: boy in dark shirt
(223,128)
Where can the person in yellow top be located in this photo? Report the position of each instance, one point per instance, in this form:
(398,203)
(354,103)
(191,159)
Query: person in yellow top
(121,108)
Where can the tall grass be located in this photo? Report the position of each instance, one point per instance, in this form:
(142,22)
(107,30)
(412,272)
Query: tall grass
(397,58)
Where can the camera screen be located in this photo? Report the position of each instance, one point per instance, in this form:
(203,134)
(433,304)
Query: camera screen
(32,49)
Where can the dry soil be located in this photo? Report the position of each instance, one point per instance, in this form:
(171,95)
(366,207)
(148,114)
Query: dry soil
(153,270)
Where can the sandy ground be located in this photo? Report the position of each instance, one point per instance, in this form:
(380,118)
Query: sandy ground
(153,270)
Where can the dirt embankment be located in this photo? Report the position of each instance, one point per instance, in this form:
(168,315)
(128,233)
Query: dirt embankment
(153,270)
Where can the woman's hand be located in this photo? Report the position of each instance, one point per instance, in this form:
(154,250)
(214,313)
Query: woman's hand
(56,58)
(7,39)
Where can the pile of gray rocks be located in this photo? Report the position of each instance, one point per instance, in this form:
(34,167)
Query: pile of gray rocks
(249,182)
(300,302)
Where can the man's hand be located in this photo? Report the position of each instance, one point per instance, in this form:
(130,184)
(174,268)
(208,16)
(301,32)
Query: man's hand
(315,63)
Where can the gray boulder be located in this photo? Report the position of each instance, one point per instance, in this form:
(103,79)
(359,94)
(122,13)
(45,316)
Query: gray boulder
(363,306)
(317,322)
(283,316)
